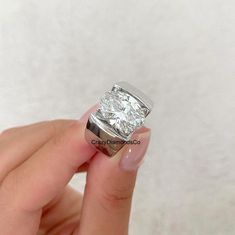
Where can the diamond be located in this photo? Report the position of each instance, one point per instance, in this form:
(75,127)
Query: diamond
(123,112)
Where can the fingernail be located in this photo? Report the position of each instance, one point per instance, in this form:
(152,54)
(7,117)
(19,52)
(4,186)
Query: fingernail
(133,154)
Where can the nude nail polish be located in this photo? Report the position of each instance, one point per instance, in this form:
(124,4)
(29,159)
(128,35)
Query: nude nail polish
(133,154)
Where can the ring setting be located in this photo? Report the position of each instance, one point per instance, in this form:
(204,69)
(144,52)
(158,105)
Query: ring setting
(120,113)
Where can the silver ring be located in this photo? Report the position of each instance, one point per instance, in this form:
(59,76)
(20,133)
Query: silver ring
(120,113)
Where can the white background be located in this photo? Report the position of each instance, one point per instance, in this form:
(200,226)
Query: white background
(58,57)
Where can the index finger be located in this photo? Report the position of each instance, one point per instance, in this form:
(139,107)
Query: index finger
(47,172)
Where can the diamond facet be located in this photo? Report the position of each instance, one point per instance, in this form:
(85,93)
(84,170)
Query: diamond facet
(121,111)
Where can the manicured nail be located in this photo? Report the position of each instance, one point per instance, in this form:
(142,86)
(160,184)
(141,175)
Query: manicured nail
(133,154)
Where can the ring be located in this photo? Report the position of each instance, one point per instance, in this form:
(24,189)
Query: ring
(120,113)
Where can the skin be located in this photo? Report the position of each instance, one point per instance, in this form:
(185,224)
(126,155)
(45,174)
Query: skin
(36,164)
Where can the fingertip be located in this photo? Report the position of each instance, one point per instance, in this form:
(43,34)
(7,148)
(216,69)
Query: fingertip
(86,115)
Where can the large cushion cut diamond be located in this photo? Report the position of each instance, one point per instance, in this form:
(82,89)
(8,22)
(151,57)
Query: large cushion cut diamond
(120,113)
(123,112)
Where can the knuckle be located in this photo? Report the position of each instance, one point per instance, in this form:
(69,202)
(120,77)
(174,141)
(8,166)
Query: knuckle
(115,199)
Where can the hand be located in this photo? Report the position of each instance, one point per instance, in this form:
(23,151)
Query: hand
(36,164)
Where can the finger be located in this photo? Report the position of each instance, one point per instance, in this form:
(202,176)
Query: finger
(12,130)
(38,180)
(84,119)
(50,168)
(62,211)
(86,115)
(108,193)
(19,143)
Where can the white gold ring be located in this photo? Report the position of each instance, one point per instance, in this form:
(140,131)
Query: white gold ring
(120,113)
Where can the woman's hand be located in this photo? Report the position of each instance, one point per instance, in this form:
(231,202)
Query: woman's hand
(36,164)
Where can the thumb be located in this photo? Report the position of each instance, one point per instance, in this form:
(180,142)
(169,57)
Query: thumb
(109,189)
